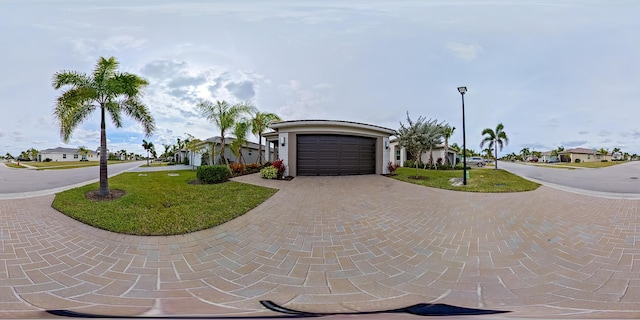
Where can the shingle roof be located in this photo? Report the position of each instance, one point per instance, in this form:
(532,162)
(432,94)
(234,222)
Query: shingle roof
(63,150)
(579,150)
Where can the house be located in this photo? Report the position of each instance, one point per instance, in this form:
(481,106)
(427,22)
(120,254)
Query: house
(329,147)
(249,152)
(67,154)
(546,156)
(584,154)
(400,155)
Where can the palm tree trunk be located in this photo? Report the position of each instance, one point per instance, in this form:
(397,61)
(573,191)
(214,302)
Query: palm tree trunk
(260,148)
(104,182)
(147,158)
(495,147)
(223,160)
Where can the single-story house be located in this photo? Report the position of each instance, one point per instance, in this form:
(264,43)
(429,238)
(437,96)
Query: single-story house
(584,154)
(329,147)
(546,156)
(400,155)
(67,154)
(249,152)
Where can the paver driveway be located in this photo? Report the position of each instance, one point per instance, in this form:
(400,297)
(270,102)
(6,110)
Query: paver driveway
(337,244)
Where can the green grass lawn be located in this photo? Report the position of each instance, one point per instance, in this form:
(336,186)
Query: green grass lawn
(14,165)
(480,180)
(158,204)
(156,164)
(598,164)
(57,165)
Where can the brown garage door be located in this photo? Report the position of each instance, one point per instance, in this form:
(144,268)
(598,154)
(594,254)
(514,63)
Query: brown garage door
(335,155)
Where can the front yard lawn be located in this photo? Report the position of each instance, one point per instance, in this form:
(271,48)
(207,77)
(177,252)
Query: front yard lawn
(480,180)
(14,165)
(56,165)
(598,164)
(157,203)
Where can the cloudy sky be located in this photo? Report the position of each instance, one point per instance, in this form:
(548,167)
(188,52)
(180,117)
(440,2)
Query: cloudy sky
(555,73)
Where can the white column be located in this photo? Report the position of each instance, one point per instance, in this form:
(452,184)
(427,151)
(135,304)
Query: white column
(403,156)
(267,152)
(386,154)
(283,151)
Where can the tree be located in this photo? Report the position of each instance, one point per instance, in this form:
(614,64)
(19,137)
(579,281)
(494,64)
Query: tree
(240,131)
(9,156)
(83,150)
(487,153)
(495,138)
(106,89)
(432,132)
(224,116)
(148,146)
(418,136)
(194,145)
(260,122)
(524,153)
(447,132)
(33,154)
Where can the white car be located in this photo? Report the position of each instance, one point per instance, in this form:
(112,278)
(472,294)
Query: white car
(477,161)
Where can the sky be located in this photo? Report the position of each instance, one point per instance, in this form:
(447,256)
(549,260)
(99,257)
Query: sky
(554,73)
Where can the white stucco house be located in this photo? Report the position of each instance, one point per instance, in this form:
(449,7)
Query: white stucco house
(329,147)
(66,154)
(400,155)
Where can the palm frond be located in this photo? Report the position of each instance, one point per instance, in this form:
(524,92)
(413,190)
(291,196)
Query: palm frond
(139,112)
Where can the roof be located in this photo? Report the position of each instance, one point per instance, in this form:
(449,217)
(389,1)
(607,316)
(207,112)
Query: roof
(292,123)
(63,150)
(579,150)
(228,140)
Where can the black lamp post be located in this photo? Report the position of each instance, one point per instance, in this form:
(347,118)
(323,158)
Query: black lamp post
(462,91)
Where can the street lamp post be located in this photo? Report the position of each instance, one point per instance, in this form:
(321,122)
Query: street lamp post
(462,91)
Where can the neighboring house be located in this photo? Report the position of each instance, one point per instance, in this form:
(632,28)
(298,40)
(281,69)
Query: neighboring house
(249,152)
(66,154)
(546,156)
(329,147)
(617,156)
(584,154)
(400,155)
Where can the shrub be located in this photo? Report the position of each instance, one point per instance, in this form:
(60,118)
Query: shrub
(47,160)
(236,167)
(279,165)
(213,174)
(392,167)
(270,172)
(604,160)
(577,160)
(409,164)
(253,166)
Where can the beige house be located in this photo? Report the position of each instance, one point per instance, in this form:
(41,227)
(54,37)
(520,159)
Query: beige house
(584,154)
(66,154)
(400,155)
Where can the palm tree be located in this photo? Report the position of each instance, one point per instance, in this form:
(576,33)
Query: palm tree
(109,90)
(240,131)
(432,132)
(488,153)
(524,153)
(124,153)
(495,138)
(84,151)
(224,116)
(194,145)
(447,133)
(260,122)
(33,154)
(148,146)
(8,156)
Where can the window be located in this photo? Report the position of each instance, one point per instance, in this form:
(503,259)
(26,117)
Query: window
(64,156)
(75,156)
(397,155)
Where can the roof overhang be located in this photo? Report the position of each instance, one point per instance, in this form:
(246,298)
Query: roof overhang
(302,125)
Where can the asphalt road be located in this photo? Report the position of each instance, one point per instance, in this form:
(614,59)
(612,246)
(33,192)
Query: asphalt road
(18,183)
(619,179)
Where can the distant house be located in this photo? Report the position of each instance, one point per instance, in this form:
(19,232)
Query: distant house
(400,155)
(66,154)
(546,156)
(584,154)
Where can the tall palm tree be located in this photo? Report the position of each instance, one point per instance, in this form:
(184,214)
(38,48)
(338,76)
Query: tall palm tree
(106,89)
(148,146)
(224,116)
(447,133)
(33,154)
(495,138)
(524,153)
(240,131)
(260,122)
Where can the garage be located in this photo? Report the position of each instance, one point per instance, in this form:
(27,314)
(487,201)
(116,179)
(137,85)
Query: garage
(329,147)
(335,155)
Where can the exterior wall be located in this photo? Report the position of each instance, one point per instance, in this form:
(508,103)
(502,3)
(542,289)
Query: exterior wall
(69,157)
(583,157)
(386,156)
(285,151)
(437,153)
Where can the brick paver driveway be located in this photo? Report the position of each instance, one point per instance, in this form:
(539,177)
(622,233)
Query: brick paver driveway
(337,244)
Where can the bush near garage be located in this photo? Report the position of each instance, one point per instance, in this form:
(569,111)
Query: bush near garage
(213,174)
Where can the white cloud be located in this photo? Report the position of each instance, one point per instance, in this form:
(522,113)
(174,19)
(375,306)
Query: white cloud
(466,52)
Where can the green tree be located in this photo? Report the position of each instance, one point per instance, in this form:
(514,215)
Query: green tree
(495,138)
(9,156)
(194,145)
(240,131)
(33,154)
(106,89)
(148,146)
(260,122)
(524,153)
(447,132)
(224,116)
(83,150)
(418,136)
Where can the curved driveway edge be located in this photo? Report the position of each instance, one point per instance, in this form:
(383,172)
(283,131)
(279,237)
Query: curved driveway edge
(326,244)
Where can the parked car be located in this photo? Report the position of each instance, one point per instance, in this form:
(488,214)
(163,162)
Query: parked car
(477,161)
(533,159)
(553,160)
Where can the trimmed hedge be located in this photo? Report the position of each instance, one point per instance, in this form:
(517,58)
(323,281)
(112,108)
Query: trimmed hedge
(269,172)
(213,174)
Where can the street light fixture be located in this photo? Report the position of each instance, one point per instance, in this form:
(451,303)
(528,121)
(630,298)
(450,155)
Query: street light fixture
(462,91)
